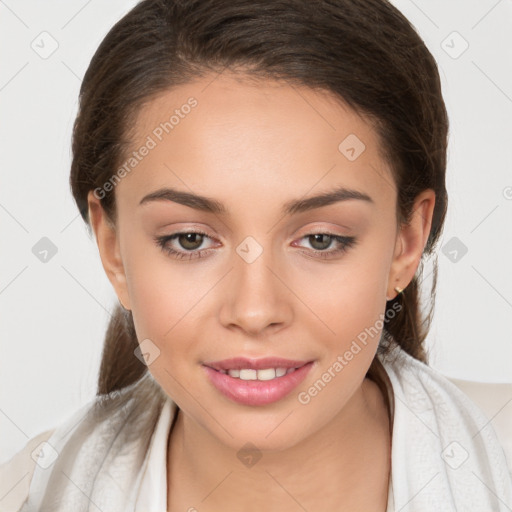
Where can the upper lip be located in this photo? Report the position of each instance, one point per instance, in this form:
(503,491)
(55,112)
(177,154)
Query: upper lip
(239,363)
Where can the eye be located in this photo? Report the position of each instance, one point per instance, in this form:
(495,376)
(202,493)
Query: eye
(322,241)
(190,241)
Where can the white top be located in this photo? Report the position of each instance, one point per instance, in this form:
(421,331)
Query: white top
(445,455)
(152,495)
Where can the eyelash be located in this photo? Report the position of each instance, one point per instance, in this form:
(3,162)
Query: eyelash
(346,242)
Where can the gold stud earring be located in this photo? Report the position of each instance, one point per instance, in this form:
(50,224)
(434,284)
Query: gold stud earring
(397,290)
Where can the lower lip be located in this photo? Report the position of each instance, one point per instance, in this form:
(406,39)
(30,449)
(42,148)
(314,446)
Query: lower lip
(257,392)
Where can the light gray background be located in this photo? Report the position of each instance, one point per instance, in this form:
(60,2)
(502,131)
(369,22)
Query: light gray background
(54,314)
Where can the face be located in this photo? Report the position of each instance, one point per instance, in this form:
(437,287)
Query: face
(254,267)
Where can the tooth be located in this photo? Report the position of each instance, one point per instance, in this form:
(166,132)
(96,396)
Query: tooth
(248,374)
(267,374)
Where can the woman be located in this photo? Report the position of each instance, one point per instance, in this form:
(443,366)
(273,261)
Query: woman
(264,181)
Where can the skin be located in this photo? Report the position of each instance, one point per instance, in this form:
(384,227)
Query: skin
(253,148)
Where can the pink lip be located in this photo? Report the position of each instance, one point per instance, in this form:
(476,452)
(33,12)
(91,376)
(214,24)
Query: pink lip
(237,363)
(256,392)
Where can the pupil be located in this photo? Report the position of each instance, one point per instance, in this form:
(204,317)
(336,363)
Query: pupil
(189,238)
(320,236)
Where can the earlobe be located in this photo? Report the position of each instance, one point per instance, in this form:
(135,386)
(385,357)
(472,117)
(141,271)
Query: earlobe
(107,240)
(411,242)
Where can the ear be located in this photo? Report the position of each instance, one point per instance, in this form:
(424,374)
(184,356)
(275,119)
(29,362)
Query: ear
(108,246)
(410,243)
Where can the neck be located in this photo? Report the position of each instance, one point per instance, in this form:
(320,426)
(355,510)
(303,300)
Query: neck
(344,465)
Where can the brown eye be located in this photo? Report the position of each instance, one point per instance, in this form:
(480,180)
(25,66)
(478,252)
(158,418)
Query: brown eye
(185,244)
(323,240)
(189,241)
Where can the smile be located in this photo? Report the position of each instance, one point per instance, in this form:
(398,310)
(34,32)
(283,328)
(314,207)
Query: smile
(249,386)
(265,374)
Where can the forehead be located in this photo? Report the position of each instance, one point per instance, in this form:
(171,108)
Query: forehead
(223,133)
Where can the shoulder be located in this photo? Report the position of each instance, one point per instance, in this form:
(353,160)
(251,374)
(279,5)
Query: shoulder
(17,472)
(109,435)
(35,461)
(495,401)
(450,407)
(439,431)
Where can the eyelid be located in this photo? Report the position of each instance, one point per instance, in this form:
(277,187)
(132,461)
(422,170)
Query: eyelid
(319,230)
(344,244)
(327,227)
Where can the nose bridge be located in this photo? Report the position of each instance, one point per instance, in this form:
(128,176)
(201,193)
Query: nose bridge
(252,267)
(256,297)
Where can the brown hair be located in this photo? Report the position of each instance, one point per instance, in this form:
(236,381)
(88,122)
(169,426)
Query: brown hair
(363,51)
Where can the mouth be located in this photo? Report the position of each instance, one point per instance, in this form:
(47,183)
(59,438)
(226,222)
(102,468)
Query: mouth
(262,375)
(247,385)
(247,363)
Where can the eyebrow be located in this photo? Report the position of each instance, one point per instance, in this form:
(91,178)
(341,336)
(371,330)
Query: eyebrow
(210,205)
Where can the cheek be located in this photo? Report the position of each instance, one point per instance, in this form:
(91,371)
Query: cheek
(160,298)
(152,296)
(160,291)
(352,316)
(348,298)
(164,299)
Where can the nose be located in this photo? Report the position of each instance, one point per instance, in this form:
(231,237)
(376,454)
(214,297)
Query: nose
(256,298)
